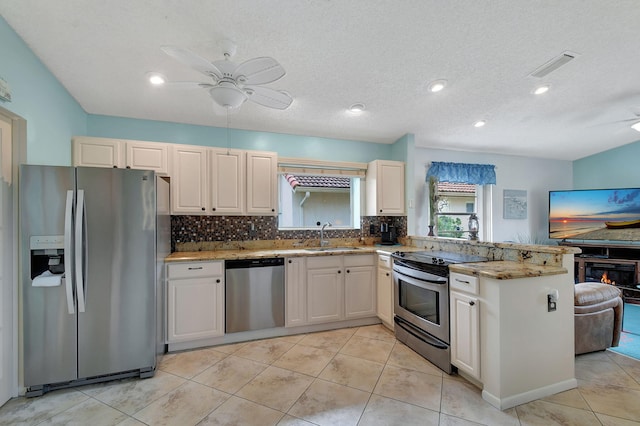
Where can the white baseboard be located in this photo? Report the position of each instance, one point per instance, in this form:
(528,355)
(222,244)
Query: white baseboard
(531,395)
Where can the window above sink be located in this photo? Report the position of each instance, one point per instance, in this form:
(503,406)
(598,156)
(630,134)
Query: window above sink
(313,191)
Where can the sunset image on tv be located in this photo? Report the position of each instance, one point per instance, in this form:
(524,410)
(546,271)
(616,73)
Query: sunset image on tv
(577,214)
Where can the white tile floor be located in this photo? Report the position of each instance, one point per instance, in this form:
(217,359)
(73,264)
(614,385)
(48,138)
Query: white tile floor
(355,376)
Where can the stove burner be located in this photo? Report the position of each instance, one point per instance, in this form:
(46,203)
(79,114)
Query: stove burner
(438,257)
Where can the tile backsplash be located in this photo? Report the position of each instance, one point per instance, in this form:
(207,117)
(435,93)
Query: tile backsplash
(202,229)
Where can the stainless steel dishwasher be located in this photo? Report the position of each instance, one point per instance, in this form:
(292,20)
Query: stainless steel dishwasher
(254,294)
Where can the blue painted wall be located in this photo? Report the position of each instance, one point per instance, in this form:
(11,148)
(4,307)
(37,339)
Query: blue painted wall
(52,115)
(616,168)
(285,145)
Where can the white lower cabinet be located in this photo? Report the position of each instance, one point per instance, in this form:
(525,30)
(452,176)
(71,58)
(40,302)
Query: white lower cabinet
(195,301)
(384,284)
(295,292)
(465,324)
(359,286)
(323,289)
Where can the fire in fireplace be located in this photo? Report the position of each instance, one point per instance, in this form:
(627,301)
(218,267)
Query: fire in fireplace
(605,279)
(621,274)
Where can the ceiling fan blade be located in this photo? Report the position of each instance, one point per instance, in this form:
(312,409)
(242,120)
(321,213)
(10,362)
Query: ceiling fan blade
(187,85)
(259,71)
(195,61)
(268,97)
(608,123)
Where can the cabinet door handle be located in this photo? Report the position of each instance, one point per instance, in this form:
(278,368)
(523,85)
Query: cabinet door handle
(218,280)
(194,268)
(339,271)
(348,271)
(290,261)
(387,274)
(471,303)
(462,281)
(214,209)
(203,209)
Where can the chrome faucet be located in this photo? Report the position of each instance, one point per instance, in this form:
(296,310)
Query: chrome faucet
(323,242)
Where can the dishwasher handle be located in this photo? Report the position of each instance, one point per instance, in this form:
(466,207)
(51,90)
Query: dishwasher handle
(254,263)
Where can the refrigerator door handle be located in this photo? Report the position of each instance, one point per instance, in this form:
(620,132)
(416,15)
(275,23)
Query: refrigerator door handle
(68,274)
(80,255)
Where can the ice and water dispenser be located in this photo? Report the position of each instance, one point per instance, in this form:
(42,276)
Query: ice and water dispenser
(47,260)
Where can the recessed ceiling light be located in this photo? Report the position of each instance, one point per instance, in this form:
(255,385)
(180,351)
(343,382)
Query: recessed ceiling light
(541,89)
(479,123)
(437,85)
(357,108)
(636,126)
(156,78)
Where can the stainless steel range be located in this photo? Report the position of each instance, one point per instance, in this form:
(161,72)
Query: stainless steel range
(421,302)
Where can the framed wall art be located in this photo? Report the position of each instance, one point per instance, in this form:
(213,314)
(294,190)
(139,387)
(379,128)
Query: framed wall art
(515,204)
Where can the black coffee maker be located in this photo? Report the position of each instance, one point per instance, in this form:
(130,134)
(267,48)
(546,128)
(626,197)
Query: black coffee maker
(388,233)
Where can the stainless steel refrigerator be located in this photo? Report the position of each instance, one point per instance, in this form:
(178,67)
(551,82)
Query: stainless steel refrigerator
(88,275)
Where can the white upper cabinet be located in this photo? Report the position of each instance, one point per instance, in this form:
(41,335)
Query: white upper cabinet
(262,185)
(147,156)
(104,152)
(227,181)
(189,180)
(211,181)
(385,188)
(97,152)
(217,181)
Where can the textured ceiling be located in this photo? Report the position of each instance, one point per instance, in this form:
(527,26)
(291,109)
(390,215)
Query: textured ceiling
(380,53)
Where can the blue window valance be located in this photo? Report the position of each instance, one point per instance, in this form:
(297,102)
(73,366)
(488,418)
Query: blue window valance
(475,174)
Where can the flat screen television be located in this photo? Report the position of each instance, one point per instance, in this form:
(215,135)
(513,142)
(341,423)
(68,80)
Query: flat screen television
(595,214)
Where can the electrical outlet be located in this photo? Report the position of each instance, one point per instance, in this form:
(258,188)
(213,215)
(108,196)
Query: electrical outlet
(551,305)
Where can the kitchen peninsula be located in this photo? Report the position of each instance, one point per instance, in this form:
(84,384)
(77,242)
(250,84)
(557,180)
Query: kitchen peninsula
(522,348)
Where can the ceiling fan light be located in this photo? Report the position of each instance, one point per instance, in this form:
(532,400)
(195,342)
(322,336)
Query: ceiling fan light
(636,126)
(437,85)
(228,96)
(357,108)
(479,123)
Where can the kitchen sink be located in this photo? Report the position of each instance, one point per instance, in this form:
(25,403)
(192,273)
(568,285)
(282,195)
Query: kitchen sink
(331,248)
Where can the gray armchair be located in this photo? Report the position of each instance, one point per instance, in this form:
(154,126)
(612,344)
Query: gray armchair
(598,316)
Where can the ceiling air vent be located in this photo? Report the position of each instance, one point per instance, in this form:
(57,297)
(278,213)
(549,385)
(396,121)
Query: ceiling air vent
(553,65)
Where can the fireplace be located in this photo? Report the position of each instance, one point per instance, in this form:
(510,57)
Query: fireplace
(616,273)
(623,273)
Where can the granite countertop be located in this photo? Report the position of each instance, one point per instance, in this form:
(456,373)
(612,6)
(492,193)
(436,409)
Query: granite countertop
(506,270)
(194,256)
(497,269)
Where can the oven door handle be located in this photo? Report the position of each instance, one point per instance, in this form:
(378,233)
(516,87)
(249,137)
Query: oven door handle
(421,335)
(420,276)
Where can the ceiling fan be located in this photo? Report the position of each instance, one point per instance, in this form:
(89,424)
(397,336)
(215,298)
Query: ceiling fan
(233,84)
(635,120)
(635,126)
